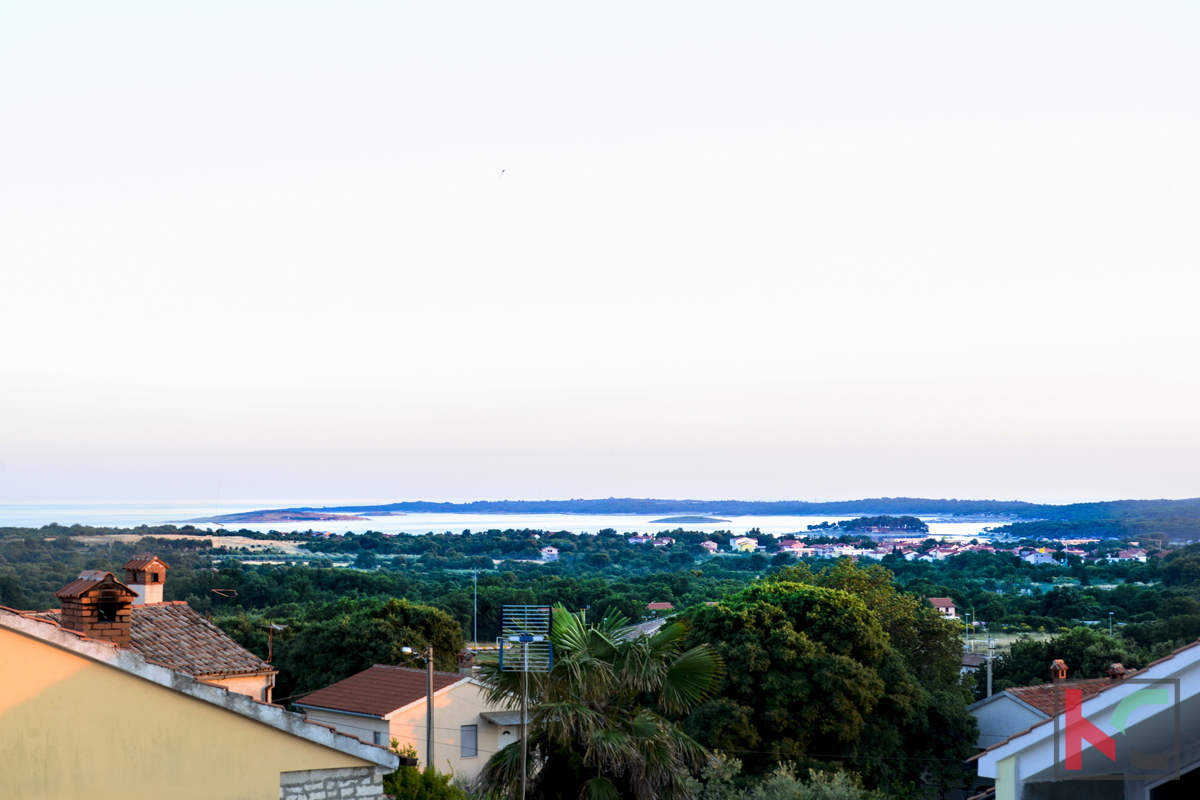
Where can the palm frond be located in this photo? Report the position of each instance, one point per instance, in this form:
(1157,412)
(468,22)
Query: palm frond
(690,679)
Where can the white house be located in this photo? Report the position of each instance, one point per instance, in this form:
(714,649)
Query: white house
(1129,555)
(709,546)
(1038,557)
(385,702)
(1112,744)
(549,553)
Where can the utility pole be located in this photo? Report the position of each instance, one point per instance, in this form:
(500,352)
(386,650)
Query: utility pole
(426,654)
(991,654)
(475,615)
(524,724)
(429,706)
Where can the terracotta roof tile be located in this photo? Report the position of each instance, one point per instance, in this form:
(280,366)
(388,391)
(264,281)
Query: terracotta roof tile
(1041,696)
(379,690)
(173,635)
(176,636)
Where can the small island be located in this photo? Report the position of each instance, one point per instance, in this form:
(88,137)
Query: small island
(688,520)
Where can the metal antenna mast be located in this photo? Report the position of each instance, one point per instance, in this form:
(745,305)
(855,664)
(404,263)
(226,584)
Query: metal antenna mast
(525,640)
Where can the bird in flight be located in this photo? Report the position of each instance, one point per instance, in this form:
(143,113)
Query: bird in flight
(501,173)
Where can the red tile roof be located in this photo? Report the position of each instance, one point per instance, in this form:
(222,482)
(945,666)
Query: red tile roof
(1107,685)
(1042,698)
(175,636)
(659,606)
(940,602)
(380,690)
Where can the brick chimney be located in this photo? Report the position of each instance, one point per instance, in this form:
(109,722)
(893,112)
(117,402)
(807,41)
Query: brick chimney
(1117,671)
(97,605)
(1058,670)
(146,576)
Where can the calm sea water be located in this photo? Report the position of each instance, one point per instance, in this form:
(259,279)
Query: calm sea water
(130,515)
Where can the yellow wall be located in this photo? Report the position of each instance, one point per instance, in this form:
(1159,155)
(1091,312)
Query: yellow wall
(253,686)
(71,728)
(460,705)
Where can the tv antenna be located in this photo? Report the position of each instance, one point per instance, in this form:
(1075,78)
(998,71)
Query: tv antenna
(525,647)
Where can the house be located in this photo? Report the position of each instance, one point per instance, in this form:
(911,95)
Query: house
(971,662)
(1017,708)
(709,546)
(659,608)
(85,717)
(944,605)
(170,633)
(641,538)
(1037,557)
(743,544)
(1129,555)
(1125,747)
(386,702)
(549,553)
(663,541)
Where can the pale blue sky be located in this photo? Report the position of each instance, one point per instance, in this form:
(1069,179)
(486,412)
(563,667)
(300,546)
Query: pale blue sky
(739,250)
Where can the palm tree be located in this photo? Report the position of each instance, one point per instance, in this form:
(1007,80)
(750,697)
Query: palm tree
(598,721)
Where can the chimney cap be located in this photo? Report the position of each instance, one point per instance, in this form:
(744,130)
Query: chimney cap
(92,580)
(144,562)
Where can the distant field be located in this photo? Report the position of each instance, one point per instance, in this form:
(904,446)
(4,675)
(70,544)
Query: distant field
(1003,640)
(290,548)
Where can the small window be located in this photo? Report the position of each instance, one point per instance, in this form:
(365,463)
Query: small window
(154,577)
(106,612)
(379,737)
(470,741)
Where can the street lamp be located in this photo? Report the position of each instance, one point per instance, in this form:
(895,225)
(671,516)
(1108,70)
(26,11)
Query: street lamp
(426,654)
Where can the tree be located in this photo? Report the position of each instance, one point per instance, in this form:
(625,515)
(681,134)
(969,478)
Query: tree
(600,722)
(337,640)
(850,670)
(411,783)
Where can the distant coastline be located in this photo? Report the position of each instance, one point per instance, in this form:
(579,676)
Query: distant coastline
(999,511)
(689,520)
(283,515)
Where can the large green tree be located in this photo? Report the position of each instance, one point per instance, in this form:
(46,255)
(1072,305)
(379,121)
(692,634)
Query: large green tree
(337,640)
(601,720)
(835,669)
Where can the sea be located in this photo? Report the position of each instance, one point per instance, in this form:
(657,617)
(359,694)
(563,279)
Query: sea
(132,515)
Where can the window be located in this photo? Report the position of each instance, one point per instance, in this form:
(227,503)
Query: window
(470,741)
(379,738)
(106,612)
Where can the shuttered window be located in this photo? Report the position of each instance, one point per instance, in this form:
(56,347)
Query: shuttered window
(470,741)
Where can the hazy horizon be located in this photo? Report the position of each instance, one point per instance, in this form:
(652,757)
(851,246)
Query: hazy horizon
(782,250)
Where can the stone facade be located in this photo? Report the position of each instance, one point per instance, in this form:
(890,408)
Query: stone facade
(349,783)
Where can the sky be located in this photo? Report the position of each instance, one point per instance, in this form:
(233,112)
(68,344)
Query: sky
(474,250)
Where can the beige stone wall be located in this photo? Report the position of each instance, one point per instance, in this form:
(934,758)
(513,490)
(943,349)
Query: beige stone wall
(73,728)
